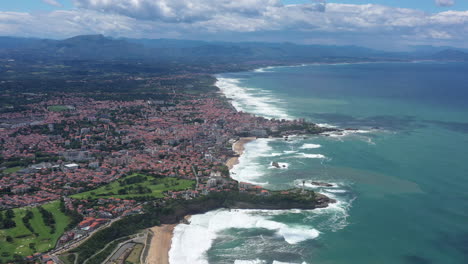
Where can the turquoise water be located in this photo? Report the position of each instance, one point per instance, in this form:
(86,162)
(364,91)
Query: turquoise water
(401,181)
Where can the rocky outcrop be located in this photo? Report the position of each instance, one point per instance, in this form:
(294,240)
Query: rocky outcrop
(275,164)
(321,184)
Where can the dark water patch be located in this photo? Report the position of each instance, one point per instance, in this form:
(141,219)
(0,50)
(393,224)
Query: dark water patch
(378,121)
(245,245)
(413,259)
(450,241)
(453,126)
(382,184)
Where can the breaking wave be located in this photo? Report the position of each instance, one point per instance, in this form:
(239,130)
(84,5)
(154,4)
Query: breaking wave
(252,100)
(191,242)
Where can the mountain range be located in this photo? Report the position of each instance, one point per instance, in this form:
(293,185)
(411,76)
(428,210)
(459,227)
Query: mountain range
(99,47)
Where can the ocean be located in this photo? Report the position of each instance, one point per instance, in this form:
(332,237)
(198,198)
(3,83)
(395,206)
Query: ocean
(400,179)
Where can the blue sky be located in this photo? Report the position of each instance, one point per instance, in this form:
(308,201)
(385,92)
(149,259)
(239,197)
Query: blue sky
(383,25)
(32,5)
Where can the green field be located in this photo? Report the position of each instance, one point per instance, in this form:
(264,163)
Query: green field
(152,186)
(22,237)
(57,108)
(134,257)
(12,170)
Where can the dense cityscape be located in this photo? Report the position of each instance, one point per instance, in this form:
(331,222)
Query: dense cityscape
(100,160)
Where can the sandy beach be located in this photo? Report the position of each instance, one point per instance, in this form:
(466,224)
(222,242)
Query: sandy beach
(238,147)
(160,244)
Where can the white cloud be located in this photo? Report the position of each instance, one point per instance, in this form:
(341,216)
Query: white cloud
(52,2)
(445,2)
(180,10)
(254,20)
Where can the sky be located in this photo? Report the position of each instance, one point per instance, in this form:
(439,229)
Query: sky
(381,24)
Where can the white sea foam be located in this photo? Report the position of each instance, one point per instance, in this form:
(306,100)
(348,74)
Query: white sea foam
(326,125)
(310,156)
(266,69)
(254,261)
(335,191)
(258,261)
(310,146)
(249,169)
(255,101)
(336,214)
(278,262)
(340,134)
(282,165)
(308,184)
(289,151)
(190,242)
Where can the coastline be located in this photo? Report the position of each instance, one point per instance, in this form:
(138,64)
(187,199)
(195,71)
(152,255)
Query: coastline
(238,147)
(160,244)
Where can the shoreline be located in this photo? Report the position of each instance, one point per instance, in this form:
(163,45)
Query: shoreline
(158,252)
(161,242)
(238,147)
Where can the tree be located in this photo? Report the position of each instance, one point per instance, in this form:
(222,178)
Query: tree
(8,223)
(32,246)
(10,214)
(9,239)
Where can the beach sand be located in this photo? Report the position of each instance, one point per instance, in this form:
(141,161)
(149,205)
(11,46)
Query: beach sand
(160,244)
(238,147)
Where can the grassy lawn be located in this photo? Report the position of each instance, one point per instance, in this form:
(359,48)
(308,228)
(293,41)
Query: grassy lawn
(134,257)
(22,237)
(153,187)
(12,170)
(57,108)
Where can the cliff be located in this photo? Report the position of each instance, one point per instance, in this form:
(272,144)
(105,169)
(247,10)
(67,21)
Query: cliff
(179,209)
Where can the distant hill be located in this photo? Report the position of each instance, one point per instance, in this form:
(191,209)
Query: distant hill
(104,48)
(450,54)
(99,47)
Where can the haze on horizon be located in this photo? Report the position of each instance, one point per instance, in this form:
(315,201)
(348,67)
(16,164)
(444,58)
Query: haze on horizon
(388,25)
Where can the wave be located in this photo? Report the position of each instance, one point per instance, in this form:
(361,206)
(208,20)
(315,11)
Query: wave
(255,101)
(191,242)
(310,146)
(258,261)
(248,169)
(335,191)
(310,156)
(265,69)
(326,125)
(335,216)
(299,183)
(254,261)
(272,68)
(278,262)
(282,165)
(345,133)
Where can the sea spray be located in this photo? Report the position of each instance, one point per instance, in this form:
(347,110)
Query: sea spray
(190,242)
(257,101)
